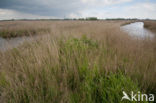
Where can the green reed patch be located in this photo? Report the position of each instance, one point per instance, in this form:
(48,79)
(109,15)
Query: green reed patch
(76,78)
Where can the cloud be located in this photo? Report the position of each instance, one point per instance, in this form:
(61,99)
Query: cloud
(141,10)
(77,8)
(104,2)
(42,7)
(143,6)
(12,14)
(56,8)
(138,10)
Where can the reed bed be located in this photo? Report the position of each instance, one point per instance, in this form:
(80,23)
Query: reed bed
(150,25)
(78,62)
(10,29)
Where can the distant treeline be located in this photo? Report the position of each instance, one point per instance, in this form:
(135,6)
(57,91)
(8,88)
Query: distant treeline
(88,18)
(85,19)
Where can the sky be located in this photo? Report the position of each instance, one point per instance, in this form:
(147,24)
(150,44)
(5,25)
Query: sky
(52,9)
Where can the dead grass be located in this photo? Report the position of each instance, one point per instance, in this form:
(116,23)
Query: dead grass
(79,61)
(10,29)
(150,25)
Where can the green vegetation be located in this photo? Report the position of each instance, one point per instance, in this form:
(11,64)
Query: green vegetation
(75,79)
(77,68)
(92,18)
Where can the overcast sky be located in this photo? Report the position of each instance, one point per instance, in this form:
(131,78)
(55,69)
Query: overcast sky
(48,9)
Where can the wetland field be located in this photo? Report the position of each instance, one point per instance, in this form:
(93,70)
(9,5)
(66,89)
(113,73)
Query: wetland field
(76,61)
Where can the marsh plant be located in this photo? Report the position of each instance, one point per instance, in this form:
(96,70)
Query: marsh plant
(81,65)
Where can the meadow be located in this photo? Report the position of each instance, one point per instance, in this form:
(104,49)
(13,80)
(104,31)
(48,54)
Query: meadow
(75,62)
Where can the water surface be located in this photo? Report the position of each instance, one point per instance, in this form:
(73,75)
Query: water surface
(6,44)
(134,29)
(137,30)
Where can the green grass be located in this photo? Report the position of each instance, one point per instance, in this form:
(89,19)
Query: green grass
(76,76)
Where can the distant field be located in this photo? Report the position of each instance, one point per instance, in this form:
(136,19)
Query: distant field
(10,29)
(75,62)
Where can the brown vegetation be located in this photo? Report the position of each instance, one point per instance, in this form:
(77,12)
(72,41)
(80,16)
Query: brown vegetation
(78,61)
(10,29)
(150,25)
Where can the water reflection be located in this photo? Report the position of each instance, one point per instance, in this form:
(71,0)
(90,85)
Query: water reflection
(137,30)
(6,44)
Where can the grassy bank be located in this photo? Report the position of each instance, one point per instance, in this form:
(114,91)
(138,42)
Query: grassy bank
(150,25)
(10,29)
(78,62)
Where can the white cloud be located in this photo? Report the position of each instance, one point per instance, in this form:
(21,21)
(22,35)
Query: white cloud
(104,2)
(6,14)
(140,10)
(89,13)
(77,8)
